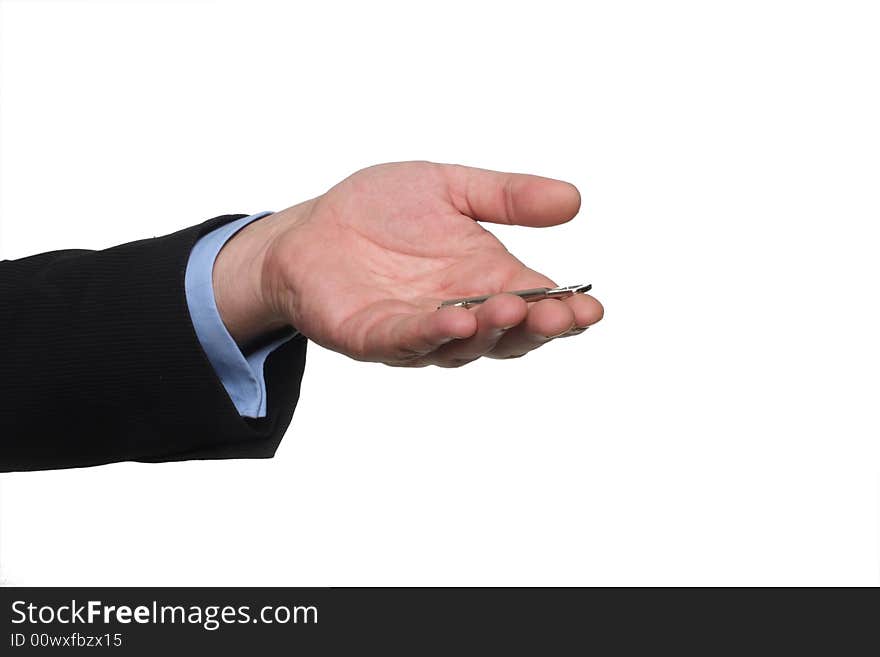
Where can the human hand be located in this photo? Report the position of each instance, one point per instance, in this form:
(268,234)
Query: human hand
(362,268)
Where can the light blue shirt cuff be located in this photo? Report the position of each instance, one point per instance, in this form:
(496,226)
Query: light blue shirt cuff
(240,374)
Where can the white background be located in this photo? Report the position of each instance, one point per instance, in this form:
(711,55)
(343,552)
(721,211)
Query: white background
(718,427)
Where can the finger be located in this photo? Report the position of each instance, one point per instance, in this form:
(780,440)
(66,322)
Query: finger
(546,320)
(405,336)
(511,198)
(494,317)
(587,310)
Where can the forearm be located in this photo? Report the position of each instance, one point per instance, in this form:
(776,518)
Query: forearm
(99,362)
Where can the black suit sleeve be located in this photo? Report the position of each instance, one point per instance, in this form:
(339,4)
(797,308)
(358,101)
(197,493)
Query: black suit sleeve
(99,362)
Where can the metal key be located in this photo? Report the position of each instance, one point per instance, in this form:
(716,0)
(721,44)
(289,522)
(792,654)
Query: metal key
(534,294)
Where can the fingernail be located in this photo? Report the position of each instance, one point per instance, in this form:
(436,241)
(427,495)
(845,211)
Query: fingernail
(567,331)
(577,330)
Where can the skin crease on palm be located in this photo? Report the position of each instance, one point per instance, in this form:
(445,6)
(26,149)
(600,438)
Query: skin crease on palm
(362,268)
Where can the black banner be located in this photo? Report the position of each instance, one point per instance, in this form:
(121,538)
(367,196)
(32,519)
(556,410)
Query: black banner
(314,621)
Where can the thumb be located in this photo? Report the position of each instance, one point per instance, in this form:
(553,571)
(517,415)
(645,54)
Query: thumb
(511,198)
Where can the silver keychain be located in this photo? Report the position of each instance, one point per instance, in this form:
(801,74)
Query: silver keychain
(534,294)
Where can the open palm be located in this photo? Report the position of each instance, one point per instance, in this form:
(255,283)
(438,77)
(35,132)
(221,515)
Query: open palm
(362,268)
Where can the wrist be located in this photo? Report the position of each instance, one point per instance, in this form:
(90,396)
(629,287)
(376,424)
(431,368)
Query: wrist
(239,286)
